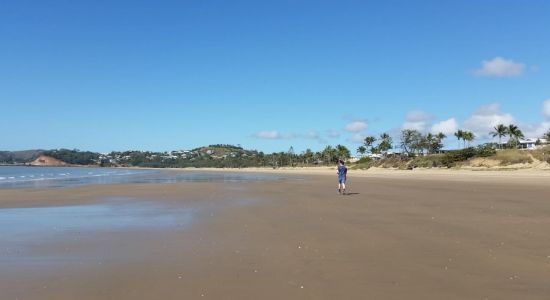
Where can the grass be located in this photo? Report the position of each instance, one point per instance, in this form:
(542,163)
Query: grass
(457,158)
(512,156)
(542,154)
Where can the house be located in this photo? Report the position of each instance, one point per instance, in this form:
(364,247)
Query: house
(527,144)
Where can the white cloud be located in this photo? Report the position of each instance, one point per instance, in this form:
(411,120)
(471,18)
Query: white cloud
(500,67)
(276,135)
(448,127)
(536,130)
(312,135)
(269,135)
(485,118)
(546,109)
(417,116)
(356,126)
(358,138)
(417,120)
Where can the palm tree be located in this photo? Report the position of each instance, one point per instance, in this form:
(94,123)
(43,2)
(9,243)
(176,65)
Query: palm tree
(459,135)
(429,140)
(468,136)
(342,152)
(361,150)
(500,130)
(369,141)
(515,133)
(328,154)
(438,142)
(308,156)
(385,143)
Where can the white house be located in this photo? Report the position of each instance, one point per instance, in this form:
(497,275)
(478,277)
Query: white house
(531,143)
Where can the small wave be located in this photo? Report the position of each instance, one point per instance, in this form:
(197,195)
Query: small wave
(2,178)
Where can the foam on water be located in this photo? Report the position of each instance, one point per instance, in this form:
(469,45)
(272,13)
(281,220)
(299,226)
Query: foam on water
(47,177)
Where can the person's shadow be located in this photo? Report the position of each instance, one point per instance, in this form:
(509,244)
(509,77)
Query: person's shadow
(350,194)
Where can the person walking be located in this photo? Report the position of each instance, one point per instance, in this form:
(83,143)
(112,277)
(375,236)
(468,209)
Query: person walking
(342,172)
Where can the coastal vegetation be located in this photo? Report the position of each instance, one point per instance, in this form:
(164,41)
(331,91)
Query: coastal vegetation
(413,150)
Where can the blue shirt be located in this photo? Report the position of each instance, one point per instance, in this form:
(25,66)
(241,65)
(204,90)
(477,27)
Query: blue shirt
(342,171)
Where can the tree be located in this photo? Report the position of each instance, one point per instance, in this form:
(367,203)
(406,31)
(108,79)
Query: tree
(290,154)
(329,154)
(361,150)
(547,136)
(342,152)
(385,143)
(369,141)
(411,140)
(369,144)
(468,136)
(459,135)
(500,130)
(515,133)
(434,143)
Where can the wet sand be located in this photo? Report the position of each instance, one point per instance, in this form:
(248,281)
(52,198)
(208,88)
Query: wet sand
(394,237)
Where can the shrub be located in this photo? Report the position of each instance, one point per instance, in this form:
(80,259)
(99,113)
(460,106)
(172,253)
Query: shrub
(485,151)
(394,161)
(428,161)
(451,158)
(364,163)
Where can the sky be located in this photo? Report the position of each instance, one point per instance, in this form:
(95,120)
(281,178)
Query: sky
(267,75)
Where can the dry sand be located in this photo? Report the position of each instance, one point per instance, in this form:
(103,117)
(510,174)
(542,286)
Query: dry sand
(398,235)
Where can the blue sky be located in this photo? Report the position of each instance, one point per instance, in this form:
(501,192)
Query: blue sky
(163,75)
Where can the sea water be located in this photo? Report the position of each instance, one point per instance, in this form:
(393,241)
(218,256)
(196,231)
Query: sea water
(48,177)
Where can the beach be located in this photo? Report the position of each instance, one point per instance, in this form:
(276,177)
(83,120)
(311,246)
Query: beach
(397,235)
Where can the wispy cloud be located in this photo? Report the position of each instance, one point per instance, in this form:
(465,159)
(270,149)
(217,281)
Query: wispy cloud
(333,134)
(356,126)
(269,135)
(276,135)
(357,138)
(500,67)
(546,109)
(417,120)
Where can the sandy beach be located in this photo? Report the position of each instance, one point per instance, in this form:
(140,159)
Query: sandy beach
(397,235)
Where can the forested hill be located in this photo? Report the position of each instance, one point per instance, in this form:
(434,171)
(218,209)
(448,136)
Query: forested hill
(216,156)
(19,157)
(213,156)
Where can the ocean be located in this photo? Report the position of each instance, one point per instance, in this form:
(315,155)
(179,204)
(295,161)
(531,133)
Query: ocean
(59,177)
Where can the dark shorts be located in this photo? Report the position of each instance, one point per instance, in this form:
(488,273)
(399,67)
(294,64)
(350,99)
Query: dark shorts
(342,179)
